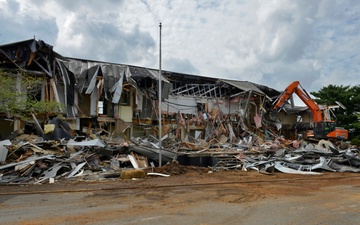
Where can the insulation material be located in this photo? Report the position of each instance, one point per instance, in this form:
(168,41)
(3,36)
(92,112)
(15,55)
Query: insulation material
(125,113)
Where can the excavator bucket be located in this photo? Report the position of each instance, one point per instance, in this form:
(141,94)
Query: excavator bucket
(274,116)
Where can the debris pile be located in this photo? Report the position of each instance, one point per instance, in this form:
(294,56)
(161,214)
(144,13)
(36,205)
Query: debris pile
(29,159)
(308,158)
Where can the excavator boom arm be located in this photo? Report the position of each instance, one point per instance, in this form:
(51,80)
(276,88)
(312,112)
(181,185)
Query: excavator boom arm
(322,129)
(294,88)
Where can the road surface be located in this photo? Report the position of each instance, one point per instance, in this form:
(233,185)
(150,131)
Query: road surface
(193,197)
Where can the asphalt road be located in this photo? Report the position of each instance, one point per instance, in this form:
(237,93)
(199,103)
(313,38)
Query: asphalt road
(188,199)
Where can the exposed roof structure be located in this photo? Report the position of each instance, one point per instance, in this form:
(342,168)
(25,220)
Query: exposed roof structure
(32,55)
(244,85)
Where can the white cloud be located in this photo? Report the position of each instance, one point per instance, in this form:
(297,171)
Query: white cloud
(267,42)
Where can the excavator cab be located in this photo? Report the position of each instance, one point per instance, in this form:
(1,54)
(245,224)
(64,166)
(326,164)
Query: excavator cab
(328,130)
(322,129)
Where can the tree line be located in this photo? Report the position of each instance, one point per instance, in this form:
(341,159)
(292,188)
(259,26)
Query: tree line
(349,96)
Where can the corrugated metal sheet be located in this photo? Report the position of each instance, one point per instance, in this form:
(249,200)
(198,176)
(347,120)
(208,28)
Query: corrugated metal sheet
(244,85)
(140,72)
(86,72)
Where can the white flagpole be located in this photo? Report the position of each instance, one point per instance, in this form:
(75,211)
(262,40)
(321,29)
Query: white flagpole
(159,99)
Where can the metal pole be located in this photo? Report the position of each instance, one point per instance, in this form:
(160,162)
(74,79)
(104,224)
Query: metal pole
(159,99)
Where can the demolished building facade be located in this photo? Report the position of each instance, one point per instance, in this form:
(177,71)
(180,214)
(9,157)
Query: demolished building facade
(122,99)
(109,119)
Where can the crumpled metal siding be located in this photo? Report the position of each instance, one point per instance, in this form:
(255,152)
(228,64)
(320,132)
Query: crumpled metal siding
(86,72)
(139,73)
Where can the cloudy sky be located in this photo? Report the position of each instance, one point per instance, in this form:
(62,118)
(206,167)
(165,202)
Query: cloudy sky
(270,42)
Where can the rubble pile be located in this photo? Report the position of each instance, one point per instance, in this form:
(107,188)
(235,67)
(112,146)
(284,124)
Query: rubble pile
(28,159)
(32,160)
(307,158)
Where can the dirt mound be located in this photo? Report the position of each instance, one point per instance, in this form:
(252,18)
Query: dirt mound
(174,168)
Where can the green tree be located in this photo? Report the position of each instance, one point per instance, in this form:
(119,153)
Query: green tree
(19,96)
(349,96)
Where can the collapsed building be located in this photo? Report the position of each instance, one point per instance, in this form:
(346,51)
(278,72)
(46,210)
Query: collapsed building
(103,107)
(123,99)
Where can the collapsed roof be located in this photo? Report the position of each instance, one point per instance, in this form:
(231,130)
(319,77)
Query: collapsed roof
(37,56)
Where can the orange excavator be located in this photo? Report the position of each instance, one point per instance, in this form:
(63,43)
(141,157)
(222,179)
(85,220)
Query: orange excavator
(323,129)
